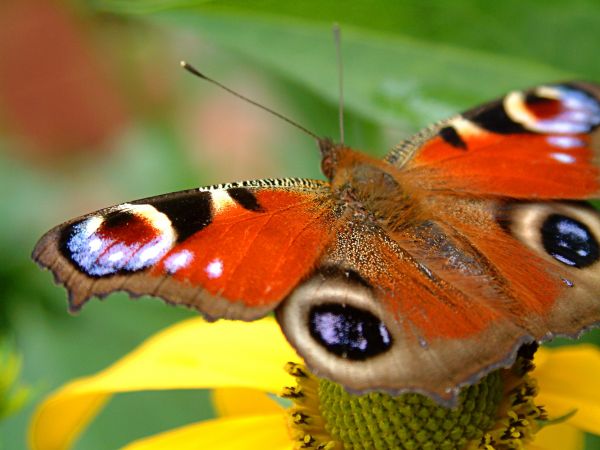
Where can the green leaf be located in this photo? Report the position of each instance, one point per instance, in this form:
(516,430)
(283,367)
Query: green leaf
(394,80)
(391,78)
(552,32)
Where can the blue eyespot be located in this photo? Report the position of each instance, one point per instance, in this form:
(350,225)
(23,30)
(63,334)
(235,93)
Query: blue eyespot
(569,241)
(348,332)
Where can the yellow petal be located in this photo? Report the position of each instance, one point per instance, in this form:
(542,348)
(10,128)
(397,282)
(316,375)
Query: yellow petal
(235,433)
(49,432)
(243,401)
(558,437)
(568,380)
(191,354)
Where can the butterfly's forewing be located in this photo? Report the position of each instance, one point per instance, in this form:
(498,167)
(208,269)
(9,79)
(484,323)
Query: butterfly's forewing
(540,143)
(230,251)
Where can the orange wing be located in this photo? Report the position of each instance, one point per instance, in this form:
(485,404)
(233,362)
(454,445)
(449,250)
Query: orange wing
(541,143)
(230,251)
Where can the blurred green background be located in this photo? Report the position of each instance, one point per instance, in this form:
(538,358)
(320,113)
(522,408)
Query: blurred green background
(94,111)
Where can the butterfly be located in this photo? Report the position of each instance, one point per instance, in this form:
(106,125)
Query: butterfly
(420,272)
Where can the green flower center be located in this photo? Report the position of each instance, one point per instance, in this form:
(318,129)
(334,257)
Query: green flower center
(409,421)
(497,413)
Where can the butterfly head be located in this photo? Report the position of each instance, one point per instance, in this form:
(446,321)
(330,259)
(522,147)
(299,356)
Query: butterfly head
(330,155)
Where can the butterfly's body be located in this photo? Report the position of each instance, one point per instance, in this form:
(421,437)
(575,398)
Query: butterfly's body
(420,272)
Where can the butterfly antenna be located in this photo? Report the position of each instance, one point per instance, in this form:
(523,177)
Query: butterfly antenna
(338,48)
(199,74)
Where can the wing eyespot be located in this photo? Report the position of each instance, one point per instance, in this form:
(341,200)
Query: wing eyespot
(567,233)
(349,332)
(126,239)
(569,241)
(335,322)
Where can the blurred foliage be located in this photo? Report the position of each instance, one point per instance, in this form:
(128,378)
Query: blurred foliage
(473,49)
(405,64)
(13,395)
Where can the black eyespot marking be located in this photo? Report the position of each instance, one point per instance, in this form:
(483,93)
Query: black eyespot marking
(493,117)
(117,219)
(533,99)
(569,241)
(451,136)
(188,212)
(245,199)
(348,332)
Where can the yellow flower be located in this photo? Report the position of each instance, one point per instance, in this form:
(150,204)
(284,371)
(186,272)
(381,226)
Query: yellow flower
(242,364)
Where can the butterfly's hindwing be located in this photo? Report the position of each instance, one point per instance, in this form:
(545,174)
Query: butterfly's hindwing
(440,304)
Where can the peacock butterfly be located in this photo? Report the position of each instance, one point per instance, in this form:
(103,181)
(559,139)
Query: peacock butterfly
(420,272)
